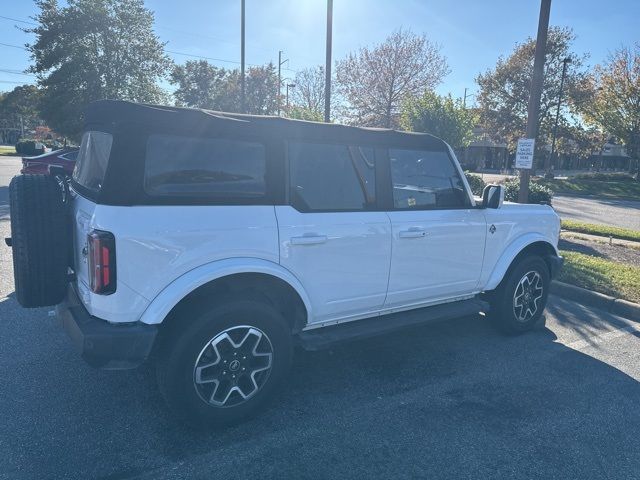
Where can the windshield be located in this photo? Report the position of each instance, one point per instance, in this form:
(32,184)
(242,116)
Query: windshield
(93,158)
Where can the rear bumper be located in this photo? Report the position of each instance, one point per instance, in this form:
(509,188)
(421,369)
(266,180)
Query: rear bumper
(555,263)
(102,344)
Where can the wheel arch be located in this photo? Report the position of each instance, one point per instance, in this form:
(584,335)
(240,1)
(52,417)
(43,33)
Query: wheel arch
(264,278)
(530,245)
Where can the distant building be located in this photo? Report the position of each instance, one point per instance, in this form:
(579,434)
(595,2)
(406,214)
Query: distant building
(483,153)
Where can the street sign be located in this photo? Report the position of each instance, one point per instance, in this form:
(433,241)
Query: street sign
(524,153)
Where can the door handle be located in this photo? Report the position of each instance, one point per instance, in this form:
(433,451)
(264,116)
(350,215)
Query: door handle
(308,240)
(413,232)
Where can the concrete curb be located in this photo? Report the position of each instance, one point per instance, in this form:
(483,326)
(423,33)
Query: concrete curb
(616,306)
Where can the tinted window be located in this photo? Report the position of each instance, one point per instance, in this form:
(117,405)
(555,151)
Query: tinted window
(425,179)
(204,166)
(331,177)
(93,158)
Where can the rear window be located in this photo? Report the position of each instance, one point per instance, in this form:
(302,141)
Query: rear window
(212,167)
(93,158)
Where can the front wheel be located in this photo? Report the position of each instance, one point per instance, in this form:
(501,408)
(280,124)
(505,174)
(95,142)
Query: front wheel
(225,363)
(518,302)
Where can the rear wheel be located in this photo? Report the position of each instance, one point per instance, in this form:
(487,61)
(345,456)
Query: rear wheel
(40,237)
(517,304)
(225,363)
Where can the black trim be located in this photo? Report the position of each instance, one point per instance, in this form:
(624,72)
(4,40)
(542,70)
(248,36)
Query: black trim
(102,344)
(555,263)
(324,337)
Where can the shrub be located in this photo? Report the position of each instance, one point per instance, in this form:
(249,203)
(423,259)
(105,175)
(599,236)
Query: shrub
(28,147)
(537,193)
(475,182)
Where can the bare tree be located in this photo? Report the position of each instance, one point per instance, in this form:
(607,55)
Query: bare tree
(373,82)
(309,91)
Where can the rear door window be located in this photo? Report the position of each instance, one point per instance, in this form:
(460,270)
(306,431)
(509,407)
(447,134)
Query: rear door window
(185,166)
(328,177)
(92,161)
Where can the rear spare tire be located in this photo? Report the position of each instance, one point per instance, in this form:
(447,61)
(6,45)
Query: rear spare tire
(40,237)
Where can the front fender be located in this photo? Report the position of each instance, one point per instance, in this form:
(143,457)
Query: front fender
(169,297)
(510,253)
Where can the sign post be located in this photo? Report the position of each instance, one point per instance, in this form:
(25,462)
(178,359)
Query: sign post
(524,153)
(533,111)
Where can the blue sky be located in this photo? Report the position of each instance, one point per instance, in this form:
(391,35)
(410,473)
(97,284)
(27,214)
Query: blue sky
(472,33)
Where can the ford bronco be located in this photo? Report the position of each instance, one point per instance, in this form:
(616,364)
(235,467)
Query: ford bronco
(213,243)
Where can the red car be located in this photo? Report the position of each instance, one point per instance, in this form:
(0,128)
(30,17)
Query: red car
(65,158)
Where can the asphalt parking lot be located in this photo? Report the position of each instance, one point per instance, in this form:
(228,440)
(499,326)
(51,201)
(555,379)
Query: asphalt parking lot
(455,400)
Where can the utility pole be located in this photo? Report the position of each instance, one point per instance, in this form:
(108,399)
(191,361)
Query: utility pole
(280,63)
(533,113)
(464,99)
(289,86)
(243,105)
(327,68)
(549,161)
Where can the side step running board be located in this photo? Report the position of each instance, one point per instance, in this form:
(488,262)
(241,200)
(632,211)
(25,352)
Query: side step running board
(320,338)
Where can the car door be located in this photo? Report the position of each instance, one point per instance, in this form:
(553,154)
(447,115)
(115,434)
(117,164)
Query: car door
(438,239)
(331,237)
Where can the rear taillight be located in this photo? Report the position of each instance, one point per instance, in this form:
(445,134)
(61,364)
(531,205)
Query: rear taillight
(102,262)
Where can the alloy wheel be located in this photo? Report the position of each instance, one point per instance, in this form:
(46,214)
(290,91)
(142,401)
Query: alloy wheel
(233,366)
(527,296)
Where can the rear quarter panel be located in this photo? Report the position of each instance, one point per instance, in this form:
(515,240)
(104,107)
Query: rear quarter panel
(155,245)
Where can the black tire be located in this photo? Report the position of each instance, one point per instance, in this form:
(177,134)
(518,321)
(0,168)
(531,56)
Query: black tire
(190,339)
(40,236)
(505,313)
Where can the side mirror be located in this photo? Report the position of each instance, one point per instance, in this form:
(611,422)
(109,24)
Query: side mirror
(492,196)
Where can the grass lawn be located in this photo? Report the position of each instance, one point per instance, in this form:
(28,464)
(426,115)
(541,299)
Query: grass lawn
(7,151)
(607,189)
(604,276)
(602,230)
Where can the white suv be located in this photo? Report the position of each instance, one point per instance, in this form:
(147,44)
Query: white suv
(212,243)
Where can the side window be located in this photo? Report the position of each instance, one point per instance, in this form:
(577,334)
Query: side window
(425,179)
(331,177)
(211,167)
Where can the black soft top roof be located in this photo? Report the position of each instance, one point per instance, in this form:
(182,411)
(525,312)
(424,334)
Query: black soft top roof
(114,115)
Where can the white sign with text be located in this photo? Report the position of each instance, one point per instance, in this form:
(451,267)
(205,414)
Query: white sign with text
(524,153)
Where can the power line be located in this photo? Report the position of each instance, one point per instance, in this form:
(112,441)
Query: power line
(17,20)
(202,57)
(218,59)
(16,72)
(168,51)
(14,46)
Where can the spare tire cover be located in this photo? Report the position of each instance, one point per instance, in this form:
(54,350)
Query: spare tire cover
(40,236)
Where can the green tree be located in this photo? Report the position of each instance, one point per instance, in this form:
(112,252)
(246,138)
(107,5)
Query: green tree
(612,99)
(94,49)
(373,82)
(200,84)
(19,108)
(304,113)
(504,90)
(441,116)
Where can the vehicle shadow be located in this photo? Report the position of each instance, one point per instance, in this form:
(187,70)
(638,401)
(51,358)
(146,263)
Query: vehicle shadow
(454,400)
